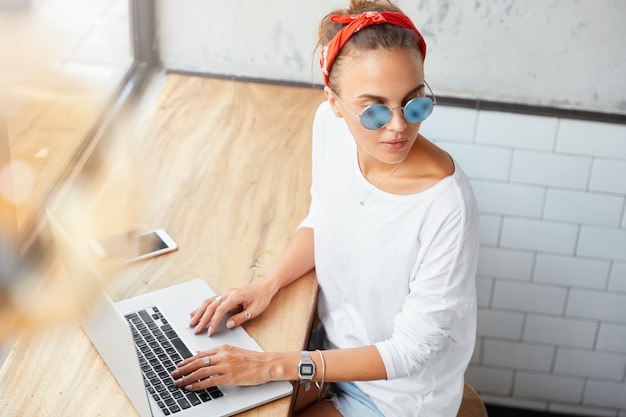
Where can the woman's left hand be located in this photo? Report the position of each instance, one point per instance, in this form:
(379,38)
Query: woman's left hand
(224,365)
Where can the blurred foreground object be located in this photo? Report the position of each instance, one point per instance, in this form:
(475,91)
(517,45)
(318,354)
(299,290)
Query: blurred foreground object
(10,264)
(14,5)
(34,289)
(33,292)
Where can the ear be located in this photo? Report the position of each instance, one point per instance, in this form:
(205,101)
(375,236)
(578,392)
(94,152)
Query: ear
(332,100)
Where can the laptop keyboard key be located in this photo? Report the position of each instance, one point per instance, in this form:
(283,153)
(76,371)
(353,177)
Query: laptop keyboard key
(184,404)
(145,316)
(204,396)
(159,350)
(181,348)
(216,393)
(193,398)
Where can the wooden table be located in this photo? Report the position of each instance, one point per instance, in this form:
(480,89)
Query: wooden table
(224,167)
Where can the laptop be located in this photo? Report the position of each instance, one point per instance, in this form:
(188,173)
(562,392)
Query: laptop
(142,338)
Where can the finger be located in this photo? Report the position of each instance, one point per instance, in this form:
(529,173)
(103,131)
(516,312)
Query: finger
(212,381)
(185,362)
(222,310)
(211,376)
(187,366)
(197,370)
(239,318)
(205,318)
(208,313)
(197,313)
(195,376)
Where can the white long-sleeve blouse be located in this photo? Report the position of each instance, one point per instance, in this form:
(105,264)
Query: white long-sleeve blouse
(397,272)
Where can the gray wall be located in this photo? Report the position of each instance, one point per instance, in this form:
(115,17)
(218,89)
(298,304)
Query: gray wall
(561,53)
(551,192)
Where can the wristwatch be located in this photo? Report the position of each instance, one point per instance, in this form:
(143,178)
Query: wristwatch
(306,370)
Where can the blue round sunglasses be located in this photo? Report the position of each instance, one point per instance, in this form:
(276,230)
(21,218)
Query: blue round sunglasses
(377,116)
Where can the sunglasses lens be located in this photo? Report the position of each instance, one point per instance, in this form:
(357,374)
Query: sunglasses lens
(375,116)
(418,109)
(378,115)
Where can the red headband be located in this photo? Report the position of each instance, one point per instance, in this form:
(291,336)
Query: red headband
(356,22)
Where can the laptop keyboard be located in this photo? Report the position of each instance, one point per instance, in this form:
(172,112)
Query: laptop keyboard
(160,349)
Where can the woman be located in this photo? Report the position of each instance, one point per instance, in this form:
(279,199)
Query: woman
(392,232)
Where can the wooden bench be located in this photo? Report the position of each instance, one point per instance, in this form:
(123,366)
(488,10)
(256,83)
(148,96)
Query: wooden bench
(471,405)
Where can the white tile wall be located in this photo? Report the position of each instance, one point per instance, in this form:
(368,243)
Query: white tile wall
(552,268)
(500,324)
(571,272)
(590,364)
(505,263)
(584,207)
(591,138)
(555,387)
(607,394)
(515,355)
(516,131)
(617,280)
(612,337)
(484,289)
(560,331)
(597,305)
(479,161)
(608,175)
(602,243)
(490,229)
(543,168)
(508,199)
(539,235)
(529,297)
(496,381)
(438,126)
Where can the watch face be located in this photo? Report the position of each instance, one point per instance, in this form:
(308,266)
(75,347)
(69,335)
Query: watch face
(306,369)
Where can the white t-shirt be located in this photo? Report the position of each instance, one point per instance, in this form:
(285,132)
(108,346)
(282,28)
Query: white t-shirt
(397,273)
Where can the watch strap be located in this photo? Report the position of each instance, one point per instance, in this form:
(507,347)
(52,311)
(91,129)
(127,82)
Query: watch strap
(306,363)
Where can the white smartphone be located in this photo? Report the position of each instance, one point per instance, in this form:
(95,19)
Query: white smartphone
(134,246)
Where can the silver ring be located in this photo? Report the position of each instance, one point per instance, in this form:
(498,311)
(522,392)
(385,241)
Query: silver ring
(206,360)
(219,299)
(247,314)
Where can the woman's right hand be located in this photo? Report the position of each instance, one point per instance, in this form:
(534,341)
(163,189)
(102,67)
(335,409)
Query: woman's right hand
(253,299)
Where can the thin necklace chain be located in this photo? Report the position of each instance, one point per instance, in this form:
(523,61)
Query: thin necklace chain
(377,186)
